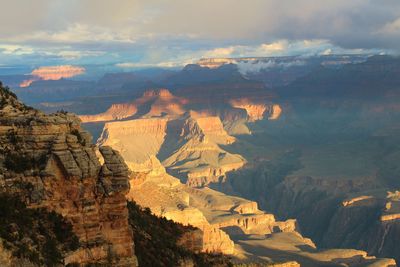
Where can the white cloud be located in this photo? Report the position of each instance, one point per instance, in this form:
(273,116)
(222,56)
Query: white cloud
(166,64)
(274,47)
(75,55)
(76,34)
(391,28)
(220,52)
(254,67)
(282,48)
(10,49)
(165,57)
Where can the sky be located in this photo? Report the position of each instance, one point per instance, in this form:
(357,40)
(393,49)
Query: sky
(168,33)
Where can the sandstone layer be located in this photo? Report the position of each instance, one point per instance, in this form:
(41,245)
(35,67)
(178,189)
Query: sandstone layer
(153,103)
(189,147)
(219,217)
(50,162)
(234,114)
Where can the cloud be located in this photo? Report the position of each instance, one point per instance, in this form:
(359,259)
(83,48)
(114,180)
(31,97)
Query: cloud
(15,49)
(76,34)
(75,55)
(154,31)
(167,57)
(255,67)
(391,28)
(284,47)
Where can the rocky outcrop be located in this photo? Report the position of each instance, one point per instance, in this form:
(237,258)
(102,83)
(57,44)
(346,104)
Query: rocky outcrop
(53,73)
(153,103)
(189,147)
(221,218)
(275,112)
(49,161)
(162,103)
(254,111)
(115,112)
(169,198)
(137,140)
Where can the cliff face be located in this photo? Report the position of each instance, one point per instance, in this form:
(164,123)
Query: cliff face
(48,160)
(153,103)
(188,147)
(152,187)
(351,213)
(220,218)
(254,111)
(53,73)
(234,114)
(373,214)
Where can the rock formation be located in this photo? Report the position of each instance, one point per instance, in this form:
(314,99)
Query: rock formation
(162,103)
(153,103)
(188,147)
(49,161)
(254,111)
(53,73)
(219,217)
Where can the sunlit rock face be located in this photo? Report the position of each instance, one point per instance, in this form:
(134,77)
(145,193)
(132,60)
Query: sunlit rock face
(153,103)
(63,174)
(137,140)
(234,114)
(53,73)
(275,112)
(219,217)
(189,147)
(254,111)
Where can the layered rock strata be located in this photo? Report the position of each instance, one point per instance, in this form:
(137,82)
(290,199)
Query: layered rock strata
(50,162)
(219,217)
(189,147)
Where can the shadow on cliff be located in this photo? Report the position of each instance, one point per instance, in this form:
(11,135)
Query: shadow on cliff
(284,256)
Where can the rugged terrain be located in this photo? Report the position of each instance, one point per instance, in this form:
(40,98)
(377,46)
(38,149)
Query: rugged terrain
(189,146)
(315,137)
(49,161)
(63,201)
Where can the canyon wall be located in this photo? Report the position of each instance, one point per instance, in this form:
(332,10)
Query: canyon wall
(49,161)
(189,147)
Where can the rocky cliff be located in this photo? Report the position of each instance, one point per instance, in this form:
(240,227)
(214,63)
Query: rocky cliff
(351,213)
(53,73)
(219,217)
(234,225)
(234,113)
(188,146)
(153,103)
(49,162)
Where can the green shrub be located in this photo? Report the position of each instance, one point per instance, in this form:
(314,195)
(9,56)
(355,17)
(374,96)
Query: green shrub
(41,236)
(19,163)
(156,241)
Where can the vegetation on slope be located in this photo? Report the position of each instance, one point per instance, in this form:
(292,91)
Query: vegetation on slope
(156,241)
(38,235)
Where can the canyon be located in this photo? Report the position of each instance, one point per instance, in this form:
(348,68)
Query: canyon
(285,164)
(174,158)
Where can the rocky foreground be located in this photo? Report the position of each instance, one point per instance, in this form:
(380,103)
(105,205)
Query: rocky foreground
(50,162)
